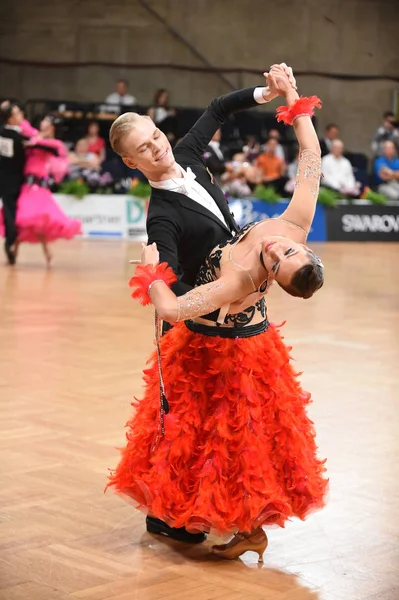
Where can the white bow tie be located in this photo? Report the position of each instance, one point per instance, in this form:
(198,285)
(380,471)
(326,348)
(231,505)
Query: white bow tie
(186,184)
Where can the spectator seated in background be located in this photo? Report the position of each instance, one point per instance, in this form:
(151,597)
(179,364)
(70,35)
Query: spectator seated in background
(331,134)
(386,170)
(251,148)
(118,99)
(272,166)
(160,110)
(274,134)
(388,131)
(240,177)
(214,157)
(82,162)
(96,144)
(338,172)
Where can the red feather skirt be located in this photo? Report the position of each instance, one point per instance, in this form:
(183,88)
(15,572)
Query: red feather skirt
(239,450)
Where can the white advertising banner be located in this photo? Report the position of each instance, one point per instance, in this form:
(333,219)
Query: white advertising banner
(102,216)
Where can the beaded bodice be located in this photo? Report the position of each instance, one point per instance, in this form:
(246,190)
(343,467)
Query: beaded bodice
(210,271)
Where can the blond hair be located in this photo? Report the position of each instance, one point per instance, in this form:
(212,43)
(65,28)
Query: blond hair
(119,128)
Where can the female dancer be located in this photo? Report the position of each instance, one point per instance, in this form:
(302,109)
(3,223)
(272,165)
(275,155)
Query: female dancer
(39,218)
(221,438)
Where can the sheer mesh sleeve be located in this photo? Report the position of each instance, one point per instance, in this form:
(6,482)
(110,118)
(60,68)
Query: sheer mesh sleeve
(200,301)
(309,172)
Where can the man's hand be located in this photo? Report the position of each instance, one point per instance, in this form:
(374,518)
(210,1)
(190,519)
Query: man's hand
(279,82)
(386,173)
(150,255)
(271,92)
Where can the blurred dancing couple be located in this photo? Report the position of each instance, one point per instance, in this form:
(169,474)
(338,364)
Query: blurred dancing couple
(28,158)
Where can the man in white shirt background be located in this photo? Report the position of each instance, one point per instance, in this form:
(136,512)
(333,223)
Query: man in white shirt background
(214,157)
(338,172)
(331,133)
(119,98)
(388,131)
(274,134)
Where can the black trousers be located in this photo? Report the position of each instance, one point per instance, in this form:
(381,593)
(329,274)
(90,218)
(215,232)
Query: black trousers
(9,214)
(165,327)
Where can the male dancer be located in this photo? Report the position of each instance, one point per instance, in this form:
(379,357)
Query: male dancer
(12,162)
(188,214)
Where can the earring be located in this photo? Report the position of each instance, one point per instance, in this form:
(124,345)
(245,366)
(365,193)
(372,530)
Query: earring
(263,286)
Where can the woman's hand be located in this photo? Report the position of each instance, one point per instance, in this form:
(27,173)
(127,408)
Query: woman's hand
(278,81)
(149,255)
(271,92)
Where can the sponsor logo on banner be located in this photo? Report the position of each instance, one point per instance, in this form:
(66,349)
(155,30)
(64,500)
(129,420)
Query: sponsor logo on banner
(101,216)
(136,214)
(372,223)
(363,223)
(253,210)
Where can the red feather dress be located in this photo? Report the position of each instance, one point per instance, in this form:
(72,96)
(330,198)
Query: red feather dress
(239,449)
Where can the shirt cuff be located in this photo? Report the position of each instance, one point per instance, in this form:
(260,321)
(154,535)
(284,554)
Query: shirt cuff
(258,95)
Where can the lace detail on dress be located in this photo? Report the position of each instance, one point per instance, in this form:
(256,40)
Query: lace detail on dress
(207,272)
(309,171)
(197,302)
(210,272)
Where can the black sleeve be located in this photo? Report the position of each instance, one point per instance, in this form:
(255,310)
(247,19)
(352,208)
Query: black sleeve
(166,234)
(197,139)
(19,142)
(216,166)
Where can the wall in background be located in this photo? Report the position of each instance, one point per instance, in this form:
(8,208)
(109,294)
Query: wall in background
(328,36)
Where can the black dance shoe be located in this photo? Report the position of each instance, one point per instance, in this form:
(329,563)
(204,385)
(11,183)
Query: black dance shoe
(180,534)
(10,254)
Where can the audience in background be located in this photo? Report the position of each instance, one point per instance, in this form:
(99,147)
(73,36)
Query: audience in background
(254,162)
(96,144)
(160,109)
(240,176)
(388,131)
(163,115)
(81,159)
(331,134)
(272,166)
(251,147)
(386,169)
(338,172)
(274,134)
(214,157)
(119,99)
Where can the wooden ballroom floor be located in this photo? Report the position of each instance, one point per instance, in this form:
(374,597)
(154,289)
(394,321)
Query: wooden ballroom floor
(73,345)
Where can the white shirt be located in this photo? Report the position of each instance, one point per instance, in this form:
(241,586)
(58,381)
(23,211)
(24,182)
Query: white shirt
(280,152)
(115,101)
(216,148)
(160,114)
(187,185)
(337,172)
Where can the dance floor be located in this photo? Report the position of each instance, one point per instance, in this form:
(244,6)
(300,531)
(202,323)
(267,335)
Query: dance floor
(73,345)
